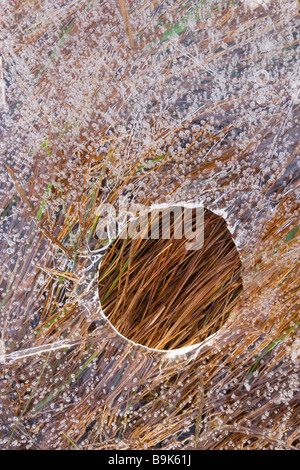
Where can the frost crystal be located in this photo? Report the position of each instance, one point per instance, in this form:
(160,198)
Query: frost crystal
(157,102)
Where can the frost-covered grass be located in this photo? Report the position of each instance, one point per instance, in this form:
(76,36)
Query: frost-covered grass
(168,101)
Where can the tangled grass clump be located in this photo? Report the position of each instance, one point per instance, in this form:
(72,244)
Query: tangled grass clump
(163,102)
(159,294)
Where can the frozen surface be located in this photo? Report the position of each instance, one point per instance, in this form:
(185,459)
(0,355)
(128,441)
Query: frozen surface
(193,101)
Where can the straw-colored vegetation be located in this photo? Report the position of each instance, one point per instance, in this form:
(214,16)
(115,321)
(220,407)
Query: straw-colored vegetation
(185,115)
(159,294)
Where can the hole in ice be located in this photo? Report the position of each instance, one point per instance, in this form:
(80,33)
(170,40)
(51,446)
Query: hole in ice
(160,294)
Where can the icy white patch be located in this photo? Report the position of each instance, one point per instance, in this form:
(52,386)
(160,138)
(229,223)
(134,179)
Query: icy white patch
(16,355)
(257,3)
(2,352)
(2,84)
(295,351)
(247,386)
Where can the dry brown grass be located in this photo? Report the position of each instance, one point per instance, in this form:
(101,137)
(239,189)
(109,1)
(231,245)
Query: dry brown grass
(70,381)
(158,294)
